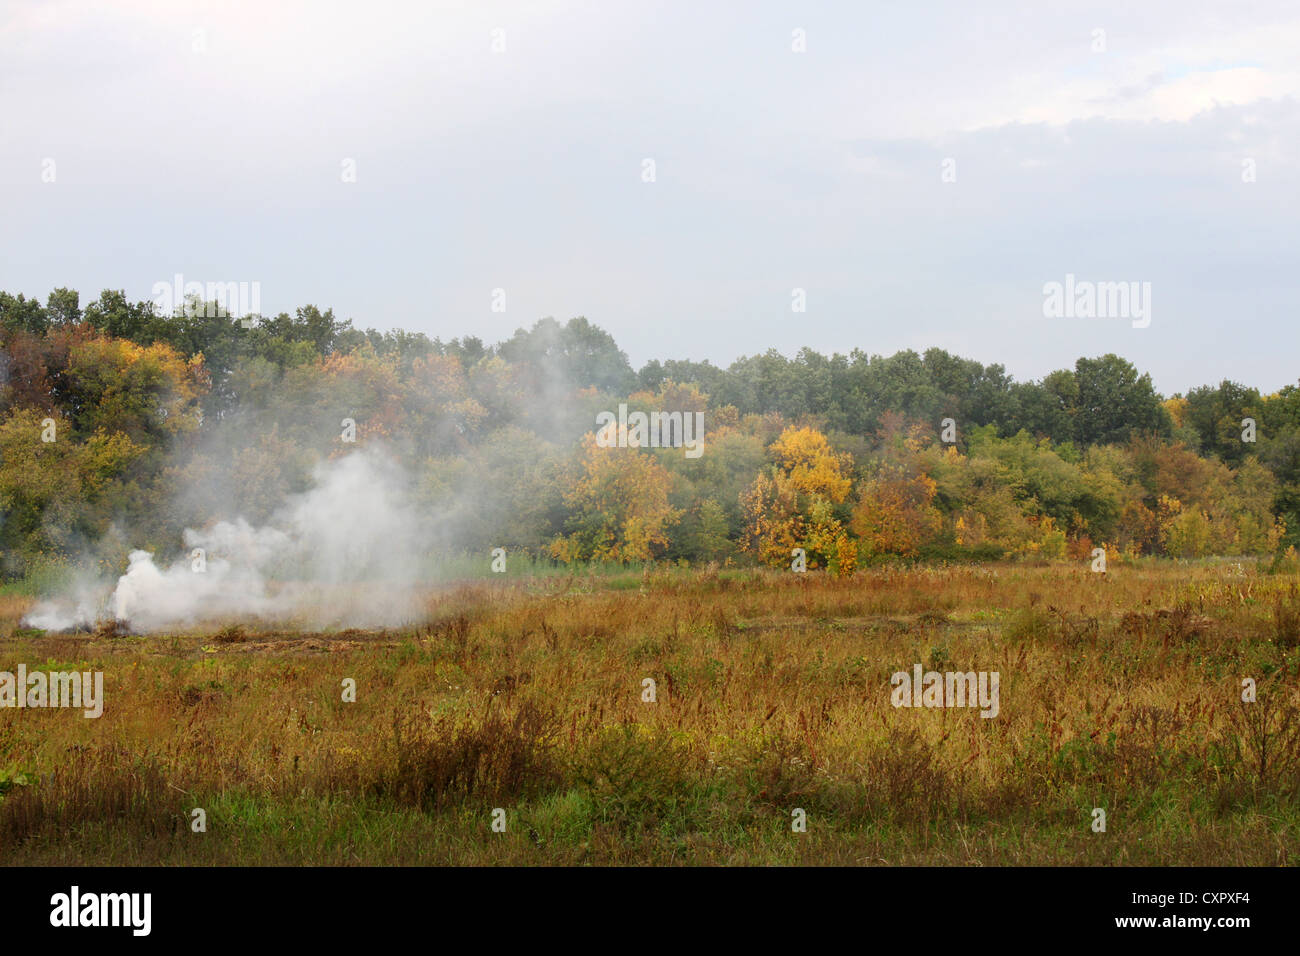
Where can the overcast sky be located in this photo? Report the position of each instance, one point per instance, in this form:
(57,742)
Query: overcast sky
(209,139)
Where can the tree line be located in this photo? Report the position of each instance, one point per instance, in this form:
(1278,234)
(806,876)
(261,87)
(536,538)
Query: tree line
(120,427)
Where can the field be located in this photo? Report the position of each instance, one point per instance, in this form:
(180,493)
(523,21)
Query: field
(772,693)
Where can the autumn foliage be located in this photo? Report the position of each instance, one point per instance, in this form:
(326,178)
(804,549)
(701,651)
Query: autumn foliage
(835,463)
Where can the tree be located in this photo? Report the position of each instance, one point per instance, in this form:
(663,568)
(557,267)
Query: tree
(1048,408)
(618,498)
(811,465)
(709,535)
(791,505)
(19,314)
(111,314)
(58,495)
(896,514)
(1115,402)
(574,355)
(149,393)
(1216,414)
(773,523)
(63,307)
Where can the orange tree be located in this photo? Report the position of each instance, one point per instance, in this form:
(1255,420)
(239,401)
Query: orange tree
(895,513)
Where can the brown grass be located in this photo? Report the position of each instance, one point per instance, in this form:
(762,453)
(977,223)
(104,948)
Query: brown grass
(1121,692)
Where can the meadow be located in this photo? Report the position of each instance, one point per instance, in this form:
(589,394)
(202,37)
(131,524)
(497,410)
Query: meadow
(1121,692)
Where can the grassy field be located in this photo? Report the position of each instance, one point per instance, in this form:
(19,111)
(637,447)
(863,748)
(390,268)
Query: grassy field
(1120,691)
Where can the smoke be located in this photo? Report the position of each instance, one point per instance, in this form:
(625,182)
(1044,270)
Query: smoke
(350,551)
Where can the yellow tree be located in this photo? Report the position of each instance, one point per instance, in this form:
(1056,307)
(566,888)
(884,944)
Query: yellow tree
(810,464)
(825,539)
(773,525)
(1177,408)
(151,394)
(619,503)
(791,505)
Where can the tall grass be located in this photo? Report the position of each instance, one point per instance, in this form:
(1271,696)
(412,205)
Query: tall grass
(1121,692)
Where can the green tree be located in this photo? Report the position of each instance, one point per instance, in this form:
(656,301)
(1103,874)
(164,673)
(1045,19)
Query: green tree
(1115,402)
(63,307)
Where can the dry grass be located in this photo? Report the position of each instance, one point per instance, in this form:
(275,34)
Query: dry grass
(1120,691)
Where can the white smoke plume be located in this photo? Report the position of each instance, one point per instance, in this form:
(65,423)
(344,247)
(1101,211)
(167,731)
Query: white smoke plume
(349,552)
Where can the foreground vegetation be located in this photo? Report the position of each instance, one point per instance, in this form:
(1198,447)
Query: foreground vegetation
(1120,691)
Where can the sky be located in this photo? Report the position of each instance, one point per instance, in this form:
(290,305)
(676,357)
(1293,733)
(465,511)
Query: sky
(921,171)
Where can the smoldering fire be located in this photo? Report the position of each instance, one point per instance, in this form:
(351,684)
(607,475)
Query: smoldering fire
(356,526)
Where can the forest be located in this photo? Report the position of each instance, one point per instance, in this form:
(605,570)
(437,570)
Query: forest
(120,427)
